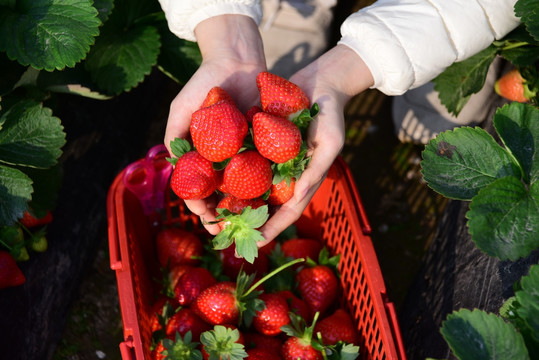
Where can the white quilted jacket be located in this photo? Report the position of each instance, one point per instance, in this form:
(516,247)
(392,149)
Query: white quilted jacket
(405,43)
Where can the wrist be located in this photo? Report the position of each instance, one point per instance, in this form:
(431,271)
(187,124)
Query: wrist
(230,37)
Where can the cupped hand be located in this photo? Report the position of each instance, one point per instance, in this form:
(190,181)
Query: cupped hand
(330,81)
(232,54)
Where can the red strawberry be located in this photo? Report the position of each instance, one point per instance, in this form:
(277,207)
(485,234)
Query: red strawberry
(318,286)
(171,276)
(248,175)
(177,246)
(30,221)
(232,264)
(279,96)
(186,320)
(297,306)
(218,131)
(223,342)
(10,274)
(262,354)
(268,343)
(251,113)
(193,177)
(217,304)
(301,248)
(215,95)
(275,137)
(275,314)
(193,281)
(336,327)
(300,343)
(514,87)
(281,192)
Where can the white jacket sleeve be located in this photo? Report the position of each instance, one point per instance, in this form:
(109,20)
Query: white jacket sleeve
(407,43)
(184,15)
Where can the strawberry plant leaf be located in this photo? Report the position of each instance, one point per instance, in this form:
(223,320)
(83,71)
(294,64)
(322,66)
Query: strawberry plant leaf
(503,218)
(124,53)
(48,34)
(462,79)
(30,135)
(104,8)
(528,299)
(528,12)
(460,162)
(493,338)
(518,127)
(15,192)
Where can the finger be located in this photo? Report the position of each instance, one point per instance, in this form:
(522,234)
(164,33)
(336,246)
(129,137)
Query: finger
(205,209)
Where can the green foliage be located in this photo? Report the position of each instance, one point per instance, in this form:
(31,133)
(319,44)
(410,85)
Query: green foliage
(501,182)
(97,49)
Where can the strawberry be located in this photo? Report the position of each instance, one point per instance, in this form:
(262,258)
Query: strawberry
(268,343)
(276,138)
(218,131)
(269,320)
(336,327)
(215,95)
(297,306)
(10,274)
(185,320)
(281,192)
(161,311)
(177,246)
(191,283)
(236,206)
(279,96)
(178,348)
(28,220)
(300,343)
(318,284)
(193,177)
(248,175)
(514,87)
(251,113)
(301,248)
(262,354)
(171,275)
(232,265)
(223,342)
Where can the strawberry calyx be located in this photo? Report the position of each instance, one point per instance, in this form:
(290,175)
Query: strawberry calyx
(324,259)
(181,348)
(298,328)
(221,343)
(303,118)
(241,229)
(179,147)
(292,169)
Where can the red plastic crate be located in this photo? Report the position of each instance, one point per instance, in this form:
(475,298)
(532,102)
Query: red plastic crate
(335,215)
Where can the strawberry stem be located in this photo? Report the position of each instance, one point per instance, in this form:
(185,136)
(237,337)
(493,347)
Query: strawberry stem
(272,273)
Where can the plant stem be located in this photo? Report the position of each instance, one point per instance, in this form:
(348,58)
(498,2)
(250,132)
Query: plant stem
(279,269)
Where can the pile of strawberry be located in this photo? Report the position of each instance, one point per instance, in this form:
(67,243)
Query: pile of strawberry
(283,305)
(251,161)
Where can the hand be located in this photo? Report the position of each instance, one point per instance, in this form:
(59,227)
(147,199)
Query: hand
(232,56)
(330,81)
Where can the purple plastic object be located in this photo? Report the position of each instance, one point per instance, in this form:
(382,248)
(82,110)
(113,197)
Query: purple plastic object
(157,156)
(147,178)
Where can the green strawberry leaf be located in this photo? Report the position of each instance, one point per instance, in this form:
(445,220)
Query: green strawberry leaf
(178,147)
(75,81)
(528,12)
(518,127)
(503,218)
(221,343)
(30,136)
(104,8)
(477,335)
(124,53)
(342,351)
(15,192)
(462,79)
(460,162)
(48,34)
(179,58)
(519,47)
(528,299)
